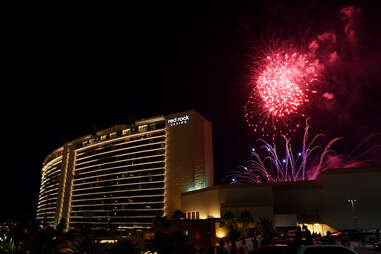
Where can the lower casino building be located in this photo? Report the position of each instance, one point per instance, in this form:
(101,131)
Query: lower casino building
(339,199)
(125,176)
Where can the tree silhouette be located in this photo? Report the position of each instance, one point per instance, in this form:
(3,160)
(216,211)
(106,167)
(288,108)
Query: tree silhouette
(246,220)
(178,214)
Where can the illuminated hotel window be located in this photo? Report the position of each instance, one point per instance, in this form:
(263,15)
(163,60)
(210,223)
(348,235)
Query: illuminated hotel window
(113,134)
(103,137)
(126,131)
(142,128)
(192,215)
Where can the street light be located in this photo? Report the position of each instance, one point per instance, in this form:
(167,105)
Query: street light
(353,203)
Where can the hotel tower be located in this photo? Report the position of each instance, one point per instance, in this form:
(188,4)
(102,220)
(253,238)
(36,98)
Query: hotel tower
(125,176)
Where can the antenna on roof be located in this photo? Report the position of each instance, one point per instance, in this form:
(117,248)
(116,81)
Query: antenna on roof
(131,119)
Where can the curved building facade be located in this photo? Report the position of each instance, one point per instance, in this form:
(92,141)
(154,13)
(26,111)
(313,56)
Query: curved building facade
(125,176)
(51,173)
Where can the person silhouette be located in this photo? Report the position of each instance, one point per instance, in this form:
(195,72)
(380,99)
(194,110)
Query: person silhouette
(221,249)
(298,236)
(307,235)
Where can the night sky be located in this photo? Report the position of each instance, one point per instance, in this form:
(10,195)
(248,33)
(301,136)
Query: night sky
(68,70)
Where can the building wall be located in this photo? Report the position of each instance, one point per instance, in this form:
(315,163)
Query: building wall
(342,185)
(326,200)
(303,199)
(50,188)
(120,181)
(213,201)
(206,203)
(190,157)
(126,175)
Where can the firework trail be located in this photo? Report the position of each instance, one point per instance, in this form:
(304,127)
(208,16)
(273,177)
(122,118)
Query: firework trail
(292,78)
(293,167)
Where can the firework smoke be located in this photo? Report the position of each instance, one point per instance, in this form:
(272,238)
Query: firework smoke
(283,93)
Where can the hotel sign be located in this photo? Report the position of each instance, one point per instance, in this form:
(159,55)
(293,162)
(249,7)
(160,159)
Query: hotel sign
(178,120)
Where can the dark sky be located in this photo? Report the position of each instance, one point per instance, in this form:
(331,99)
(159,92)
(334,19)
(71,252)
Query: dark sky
(70,68)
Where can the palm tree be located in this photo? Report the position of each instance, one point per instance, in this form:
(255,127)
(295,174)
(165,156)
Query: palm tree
(246,220)
(227,220)
(265,227)
(230,221)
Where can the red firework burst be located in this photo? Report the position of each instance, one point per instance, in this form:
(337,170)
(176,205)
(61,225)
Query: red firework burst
(281,85)
(283,82)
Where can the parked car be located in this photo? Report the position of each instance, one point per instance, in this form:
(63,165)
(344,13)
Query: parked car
(377,245)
